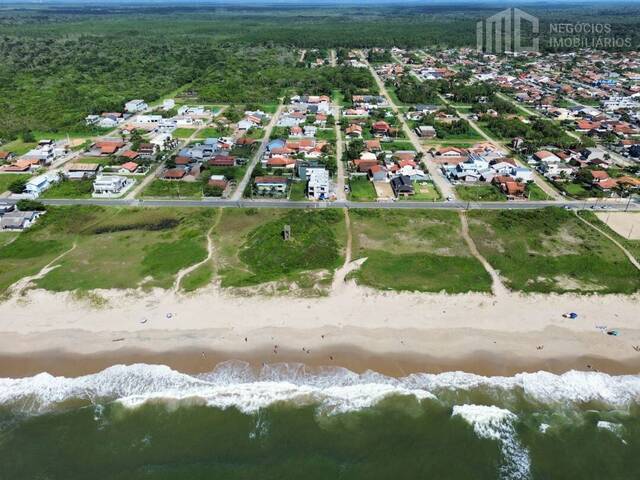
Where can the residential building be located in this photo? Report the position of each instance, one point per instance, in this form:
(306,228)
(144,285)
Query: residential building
(135,106)
(318,186)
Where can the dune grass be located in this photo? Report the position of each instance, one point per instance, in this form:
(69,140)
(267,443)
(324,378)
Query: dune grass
(115,248)
(550,250)
(252,250)
(414,250)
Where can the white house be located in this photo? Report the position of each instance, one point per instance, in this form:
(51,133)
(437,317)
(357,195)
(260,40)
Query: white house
(135,106)
(149,119)
(318,186)
(168,104)
(37,185)
(110,185)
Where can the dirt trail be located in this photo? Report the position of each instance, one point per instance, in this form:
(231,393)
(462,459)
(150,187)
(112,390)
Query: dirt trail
(24,282)
(497,287)
(340,274)
(210,250)
(631,258)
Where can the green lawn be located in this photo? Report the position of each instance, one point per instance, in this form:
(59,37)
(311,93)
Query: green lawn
(326,134)
(424,192)
(251,249)
(70,189)
(397,145)
(114,248)
(551,250)
(7,179)
(575,190)
(183,132)
(213,132)
(480,193)
(361,190)
(18,147)
(534,192)
(415,250)
(173,189)
(298,191)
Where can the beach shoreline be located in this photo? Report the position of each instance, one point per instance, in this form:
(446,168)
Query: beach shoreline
(356,328)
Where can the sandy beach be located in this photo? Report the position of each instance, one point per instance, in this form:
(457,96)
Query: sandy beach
(354,327)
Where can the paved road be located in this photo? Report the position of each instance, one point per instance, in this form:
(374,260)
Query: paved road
(247,203)
(237,195)
(445,187)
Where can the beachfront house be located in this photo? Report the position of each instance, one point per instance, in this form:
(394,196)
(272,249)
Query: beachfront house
(110,185)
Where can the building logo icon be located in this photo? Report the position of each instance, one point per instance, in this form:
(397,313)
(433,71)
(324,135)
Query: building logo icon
(503,32)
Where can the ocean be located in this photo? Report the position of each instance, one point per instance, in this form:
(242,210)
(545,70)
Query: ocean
(288,421)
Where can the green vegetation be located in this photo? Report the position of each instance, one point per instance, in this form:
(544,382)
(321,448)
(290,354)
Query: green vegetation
(536,134)
(298,191)
(633,246)
(551,250)
(7,179)
(480,193)
(534,192)
(415,250)
(252,250)
(213,132)
(200,277)
(173,189)
(424,192)
(70,189)
(112,248)
(183,132)
(361,190)
(397,145)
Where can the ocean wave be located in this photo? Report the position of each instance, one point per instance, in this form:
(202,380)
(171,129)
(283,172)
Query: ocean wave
(498,424)
(237,384)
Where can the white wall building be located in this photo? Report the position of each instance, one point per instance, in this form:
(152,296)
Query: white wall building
(135,106)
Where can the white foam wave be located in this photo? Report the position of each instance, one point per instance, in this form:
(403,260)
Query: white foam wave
(572,386)
(498,424)
(239,385)
(137,384)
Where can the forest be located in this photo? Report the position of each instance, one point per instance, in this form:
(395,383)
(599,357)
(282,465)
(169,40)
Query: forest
(58,64)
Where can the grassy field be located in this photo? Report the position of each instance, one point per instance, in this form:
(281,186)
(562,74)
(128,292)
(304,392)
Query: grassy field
(414,250)
(551,250)
(633,246)
(173,189)
(251,249)
(213,132)
(424,192)
(397,145)
(361,190)
(183,132)
(297,191)
(480,193)
(18,146)
(7,179)
(70,189)
(534,192)
(326,134)
(114,248)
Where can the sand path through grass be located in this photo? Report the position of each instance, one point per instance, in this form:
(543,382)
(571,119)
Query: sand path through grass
(497,287)
(631,258)
(210,250)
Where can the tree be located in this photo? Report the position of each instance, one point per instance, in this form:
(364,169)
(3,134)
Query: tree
(30,206)
(18,186)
